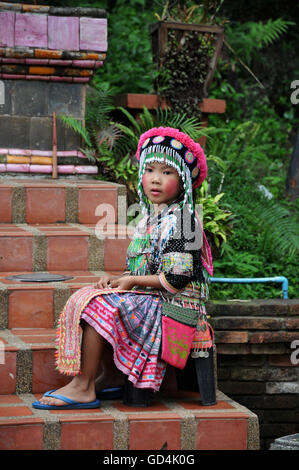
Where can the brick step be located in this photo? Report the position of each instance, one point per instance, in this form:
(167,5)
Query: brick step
(71,247)
(28,361)
(38,305)
(45,201)
(179,420)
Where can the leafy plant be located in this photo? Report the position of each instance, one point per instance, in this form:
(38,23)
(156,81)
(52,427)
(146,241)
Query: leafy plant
(165,117)
(279,230)
(78,127)
(189,12)
(128,66)
(217,221)
(247,38)
(245,163)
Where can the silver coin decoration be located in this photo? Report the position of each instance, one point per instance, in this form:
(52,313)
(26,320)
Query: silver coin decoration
(195,354)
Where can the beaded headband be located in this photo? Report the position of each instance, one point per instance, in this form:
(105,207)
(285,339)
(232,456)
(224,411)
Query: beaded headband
(177,149)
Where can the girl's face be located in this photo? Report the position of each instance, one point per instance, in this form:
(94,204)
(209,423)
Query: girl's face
(161,183)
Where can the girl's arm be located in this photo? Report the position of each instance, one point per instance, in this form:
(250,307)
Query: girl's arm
(128,282)
(151,280)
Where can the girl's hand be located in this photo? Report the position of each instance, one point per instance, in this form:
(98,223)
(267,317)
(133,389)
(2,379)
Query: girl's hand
(123,283)
(104,281)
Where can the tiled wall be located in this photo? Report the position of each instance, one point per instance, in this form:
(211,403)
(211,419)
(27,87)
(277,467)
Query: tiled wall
(52,32)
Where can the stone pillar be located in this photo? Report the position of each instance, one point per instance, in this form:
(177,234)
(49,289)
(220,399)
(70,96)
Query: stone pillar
(47,57)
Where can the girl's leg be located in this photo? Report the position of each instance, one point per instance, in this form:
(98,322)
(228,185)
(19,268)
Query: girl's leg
(109,375)
(82,387)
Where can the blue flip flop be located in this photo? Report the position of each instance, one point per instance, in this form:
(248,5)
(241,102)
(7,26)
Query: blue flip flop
(72,404)
(111,393)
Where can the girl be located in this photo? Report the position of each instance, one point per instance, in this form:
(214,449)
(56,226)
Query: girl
(167,259)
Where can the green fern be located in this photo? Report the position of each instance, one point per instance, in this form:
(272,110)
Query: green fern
(270,31)
(161,117)
(279,231)
(78,127)
(244,39)
(99,104)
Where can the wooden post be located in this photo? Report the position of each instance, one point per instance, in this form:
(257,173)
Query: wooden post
(54,154)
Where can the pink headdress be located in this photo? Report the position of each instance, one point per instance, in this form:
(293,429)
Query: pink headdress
(189,151)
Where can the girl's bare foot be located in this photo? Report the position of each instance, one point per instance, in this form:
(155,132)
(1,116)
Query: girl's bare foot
(77,390)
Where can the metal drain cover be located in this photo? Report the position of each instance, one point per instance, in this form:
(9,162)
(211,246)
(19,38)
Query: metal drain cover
(39,277)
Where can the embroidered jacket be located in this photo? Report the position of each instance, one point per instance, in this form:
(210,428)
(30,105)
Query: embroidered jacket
(167,246)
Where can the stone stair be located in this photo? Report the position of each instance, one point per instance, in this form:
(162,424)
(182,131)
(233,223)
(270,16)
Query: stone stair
(53,226)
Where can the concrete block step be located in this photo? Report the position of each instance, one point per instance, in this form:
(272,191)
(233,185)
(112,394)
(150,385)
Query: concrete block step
(45,201)
(48,247)
(38,304)
(177,422)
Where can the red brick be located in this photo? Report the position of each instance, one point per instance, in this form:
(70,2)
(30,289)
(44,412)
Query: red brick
(87,433)
(90,198)
(30,309)
(45,205)
(137,100)
(149,432)
(16,253)
(8,372)
(21,434)
(14,411)
(221,434)
(67,253)
(9,399)
(5,206)
(209,105)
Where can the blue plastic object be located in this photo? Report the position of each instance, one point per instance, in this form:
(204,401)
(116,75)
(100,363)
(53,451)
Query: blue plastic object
(243,280)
